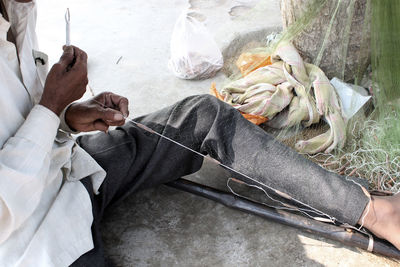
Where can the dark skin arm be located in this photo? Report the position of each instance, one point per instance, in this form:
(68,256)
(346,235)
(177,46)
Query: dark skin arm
(66,83)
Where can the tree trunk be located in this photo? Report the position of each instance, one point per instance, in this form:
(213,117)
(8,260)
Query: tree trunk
(346,56)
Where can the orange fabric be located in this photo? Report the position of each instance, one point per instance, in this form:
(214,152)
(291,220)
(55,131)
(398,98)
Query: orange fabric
(256,119)
(214,92)
(248,62)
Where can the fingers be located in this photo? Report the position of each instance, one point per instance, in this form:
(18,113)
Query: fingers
(73,58)
(79,67)
(117,102)
(121,103)
(110,117)
(67,57)
(80,60)
(100,126)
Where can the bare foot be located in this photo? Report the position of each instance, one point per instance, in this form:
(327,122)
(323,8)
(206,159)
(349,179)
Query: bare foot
(383,218)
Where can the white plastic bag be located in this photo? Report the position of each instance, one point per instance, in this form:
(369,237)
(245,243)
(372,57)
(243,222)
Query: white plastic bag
(194,53)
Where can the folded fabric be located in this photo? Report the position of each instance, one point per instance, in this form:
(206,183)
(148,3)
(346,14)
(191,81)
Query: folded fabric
(290,84)
(256,119)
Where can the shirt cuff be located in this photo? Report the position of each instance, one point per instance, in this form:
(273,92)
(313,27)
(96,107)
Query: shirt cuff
(63,124)
(40,127)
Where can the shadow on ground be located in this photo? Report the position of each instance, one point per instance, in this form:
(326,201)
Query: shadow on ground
(167,227)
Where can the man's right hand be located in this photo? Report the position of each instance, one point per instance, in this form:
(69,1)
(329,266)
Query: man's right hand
(66,81)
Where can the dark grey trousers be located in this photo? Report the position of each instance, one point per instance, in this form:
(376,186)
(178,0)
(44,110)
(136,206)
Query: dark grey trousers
(135,159)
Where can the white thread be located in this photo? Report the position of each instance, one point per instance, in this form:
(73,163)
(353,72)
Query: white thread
(366,213)
(91,91)
(287,207)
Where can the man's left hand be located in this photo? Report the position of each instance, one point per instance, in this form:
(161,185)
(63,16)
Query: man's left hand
(104,110)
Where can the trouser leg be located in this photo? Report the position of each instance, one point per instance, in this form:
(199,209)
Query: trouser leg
(211,127)
(136,159)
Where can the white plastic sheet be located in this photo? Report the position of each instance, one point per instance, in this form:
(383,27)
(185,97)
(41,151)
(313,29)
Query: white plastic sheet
(352,97)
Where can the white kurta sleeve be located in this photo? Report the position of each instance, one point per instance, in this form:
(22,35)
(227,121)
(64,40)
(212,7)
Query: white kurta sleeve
(24,166)
(63,124)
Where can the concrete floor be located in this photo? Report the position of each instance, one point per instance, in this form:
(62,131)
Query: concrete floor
(162,226)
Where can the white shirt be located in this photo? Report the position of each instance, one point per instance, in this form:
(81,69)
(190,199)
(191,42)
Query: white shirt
(45,212)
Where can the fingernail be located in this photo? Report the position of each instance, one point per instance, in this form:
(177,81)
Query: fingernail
(118,117)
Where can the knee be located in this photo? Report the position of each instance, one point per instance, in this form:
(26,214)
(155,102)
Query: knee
(205,107)
(208,102)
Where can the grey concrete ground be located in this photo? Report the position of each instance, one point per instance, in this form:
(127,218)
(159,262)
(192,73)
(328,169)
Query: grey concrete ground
(162,226)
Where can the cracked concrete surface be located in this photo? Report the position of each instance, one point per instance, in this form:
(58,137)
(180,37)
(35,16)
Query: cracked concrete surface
(163,226)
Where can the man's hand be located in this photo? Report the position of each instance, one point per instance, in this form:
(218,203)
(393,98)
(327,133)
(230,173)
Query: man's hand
(66,81)
(104,110)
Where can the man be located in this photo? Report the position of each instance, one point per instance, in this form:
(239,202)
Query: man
(53,191)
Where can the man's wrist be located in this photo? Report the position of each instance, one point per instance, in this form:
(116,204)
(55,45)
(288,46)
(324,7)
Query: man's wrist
(55,108)
(63,124)
(66,119)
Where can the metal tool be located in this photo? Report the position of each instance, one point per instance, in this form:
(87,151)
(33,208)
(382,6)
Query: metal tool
(67,28)
(68,39)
